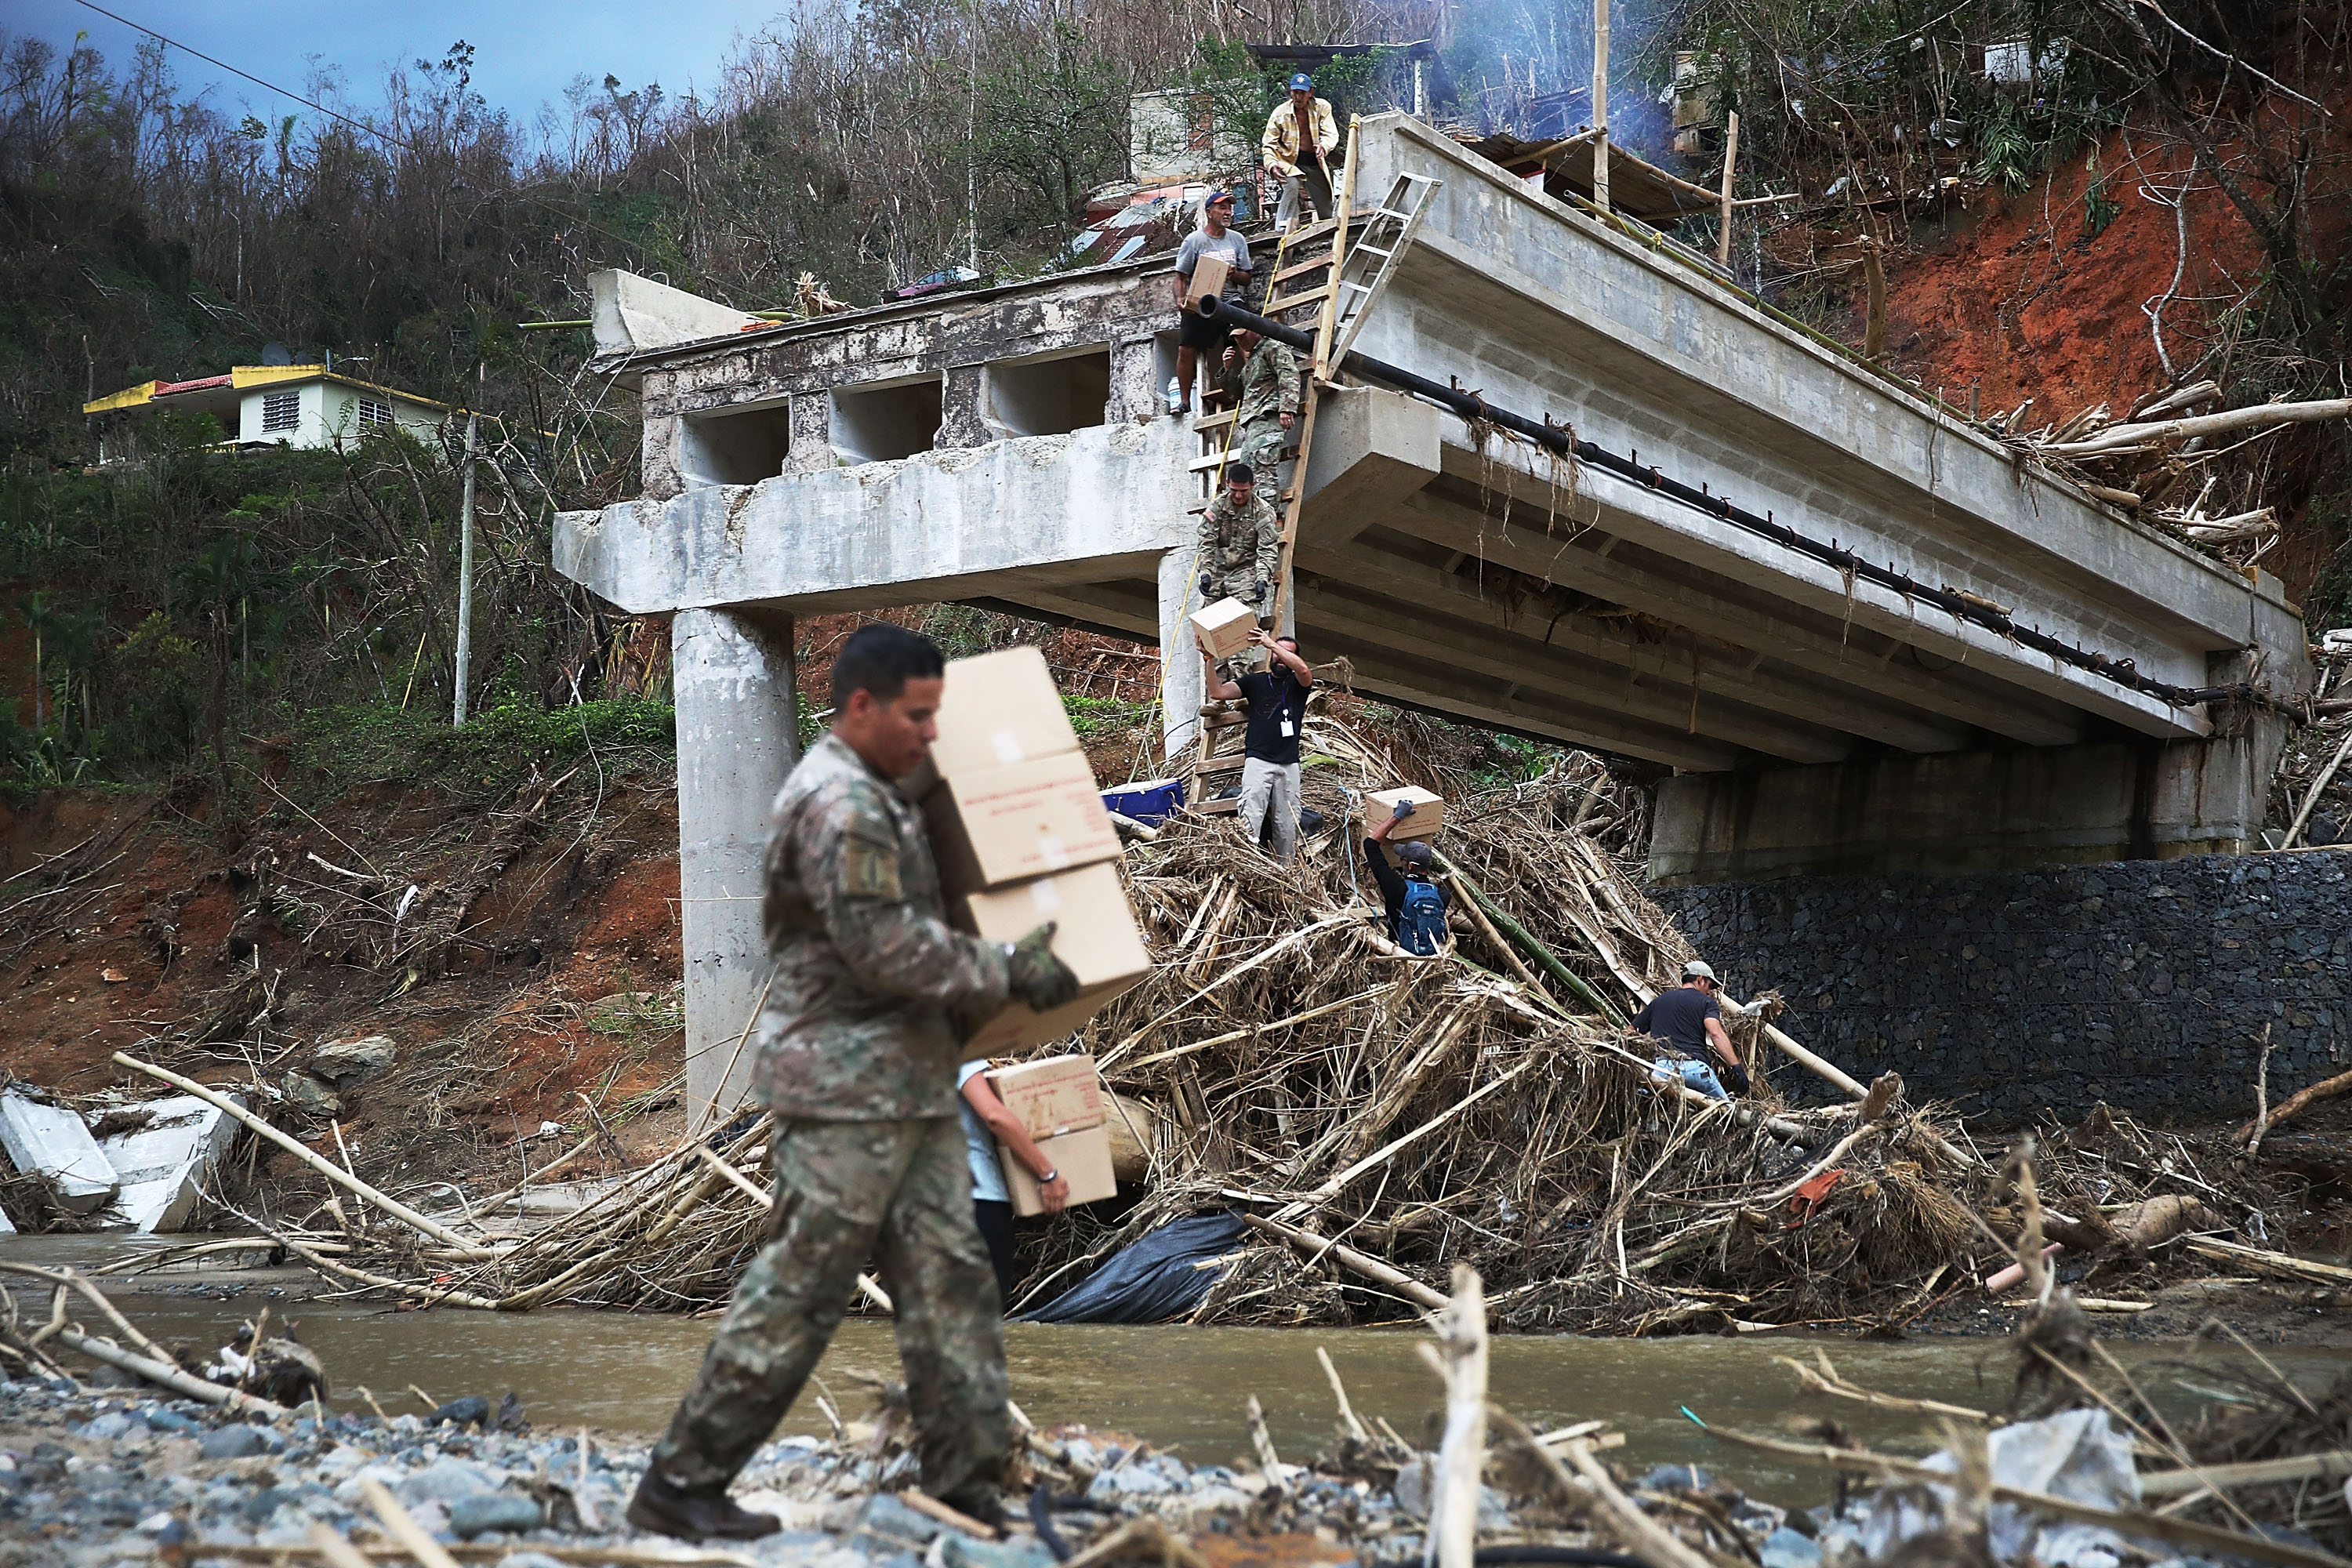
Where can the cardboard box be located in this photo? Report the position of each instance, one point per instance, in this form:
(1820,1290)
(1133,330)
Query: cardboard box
(1428,812)
(1082,1158)
(1096,936)
(1052,1095)
(1223,630)
(1209,275)
(1000,709)
(1007,825)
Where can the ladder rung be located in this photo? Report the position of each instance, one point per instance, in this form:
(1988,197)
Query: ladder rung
(1358,287)
(1217,421)
(1287,273)
(1311,233)
(1292,301)
(1354,250)
(1203,465)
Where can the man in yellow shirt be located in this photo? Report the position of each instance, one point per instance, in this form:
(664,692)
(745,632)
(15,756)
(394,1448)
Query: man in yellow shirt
(1300,137)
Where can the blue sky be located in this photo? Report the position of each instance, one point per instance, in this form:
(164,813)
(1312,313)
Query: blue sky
(527,52)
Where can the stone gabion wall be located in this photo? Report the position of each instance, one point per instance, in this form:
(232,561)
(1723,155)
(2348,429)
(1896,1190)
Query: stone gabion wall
(2146,983)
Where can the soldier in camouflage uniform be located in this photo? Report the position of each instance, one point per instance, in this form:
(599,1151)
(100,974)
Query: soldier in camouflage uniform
(857,1060)
(1268,399)
(1241,542)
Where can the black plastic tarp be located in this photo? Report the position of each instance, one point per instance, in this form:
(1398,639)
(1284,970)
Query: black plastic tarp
(1150,1280)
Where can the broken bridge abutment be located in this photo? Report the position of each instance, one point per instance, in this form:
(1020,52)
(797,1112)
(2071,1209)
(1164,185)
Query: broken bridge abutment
(1006,446)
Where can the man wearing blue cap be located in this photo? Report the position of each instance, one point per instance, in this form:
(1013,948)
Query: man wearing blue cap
(1197,337)
(1300,137)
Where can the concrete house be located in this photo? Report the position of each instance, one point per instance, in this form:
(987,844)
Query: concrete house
(305,406)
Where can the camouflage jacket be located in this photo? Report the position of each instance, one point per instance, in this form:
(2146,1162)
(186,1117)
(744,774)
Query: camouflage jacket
(855,1027)
(1269,382)
(1235,543)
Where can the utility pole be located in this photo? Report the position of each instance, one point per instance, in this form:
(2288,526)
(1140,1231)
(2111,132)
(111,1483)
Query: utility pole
(1600,104)
(466,571)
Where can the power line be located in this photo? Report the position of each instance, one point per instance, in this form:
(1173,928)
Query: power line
(377,132)
(283,92)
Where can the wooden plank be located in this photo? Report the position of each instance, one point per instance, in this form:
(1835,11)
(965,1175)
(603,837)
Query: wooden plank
(1292,301)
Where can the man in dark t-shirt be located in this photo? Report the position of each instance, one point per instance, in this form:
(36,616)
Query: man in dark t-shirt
(1277,711)
(1690,1019)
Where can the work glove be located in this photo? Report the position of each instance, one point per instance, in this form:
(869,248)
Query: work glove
(1036,976)
(1403,810)
(1734,1078)
(1257,592)
(1208,583)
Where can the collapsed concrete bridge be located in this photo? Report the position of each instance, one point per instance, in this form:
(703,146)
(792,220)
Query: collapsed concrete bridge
(1001,447)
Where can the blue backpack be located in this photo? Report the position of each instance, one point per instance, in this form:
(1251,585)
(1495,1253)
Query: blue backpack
(1421,923)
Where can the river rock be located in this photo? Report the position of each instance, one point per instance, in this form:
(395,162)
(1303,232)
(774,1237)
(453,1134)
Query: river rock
(1142,1477)
(1026,1552)
(233,1443)
(107,1427)
(473,1410)
(311,1098)
(347,1064)
(529,1559)
(1784,1548)
(445,1480)
(486,1511)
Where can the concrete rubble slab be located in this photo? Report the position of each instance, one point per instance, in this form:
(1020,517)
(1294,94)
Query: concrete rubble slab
(163,1165)
(51,1140)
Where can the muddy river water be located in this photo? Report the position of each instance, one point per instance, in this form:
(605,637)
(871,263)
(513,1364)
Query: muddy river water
(1182,1388)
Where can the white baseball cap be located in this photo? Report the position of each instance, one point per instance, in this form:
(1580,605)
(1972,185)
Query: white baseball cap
(1697,969)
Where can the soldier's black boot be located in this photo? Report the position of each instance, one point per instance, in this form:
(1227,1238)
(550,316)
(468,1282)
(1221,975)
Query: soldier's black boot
(695,1516)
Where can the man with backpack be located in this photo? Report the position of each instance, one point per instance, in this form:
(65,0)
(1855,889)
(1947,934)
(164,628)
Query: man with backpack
(1416,905)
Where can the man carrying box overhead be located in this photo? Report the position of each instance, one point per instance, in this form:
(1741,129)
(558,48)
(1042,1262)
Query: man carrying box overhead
(1278,712)
(857,1061)
(1416,904)
(1241,543)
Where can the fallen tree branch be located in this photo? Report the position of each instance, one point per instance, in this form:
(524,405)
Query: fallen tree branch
(165,1375)
(324,1167)
(2260,416)
(1386,1275)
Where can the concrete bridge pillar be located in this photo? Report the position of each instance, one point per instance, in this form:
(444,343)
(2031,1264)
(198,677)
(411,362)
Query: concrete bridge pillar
(1181,690)
(738,736)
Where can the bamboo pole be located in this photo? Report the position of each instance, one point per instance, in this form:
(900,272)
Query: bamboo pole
(2318,787)
(1383,1274)
(1460,1357)
(325,1167)
(1526,939)
(1730,159)
(166,1375)
(2121,437)
(1600,104)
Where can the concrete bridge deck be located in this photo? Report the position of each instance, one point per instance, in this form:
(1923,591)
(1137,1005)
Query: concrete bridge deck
(1003,446)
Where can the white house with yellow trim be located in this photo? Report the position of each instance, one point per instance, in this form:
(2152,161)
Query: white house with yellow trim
(264,405)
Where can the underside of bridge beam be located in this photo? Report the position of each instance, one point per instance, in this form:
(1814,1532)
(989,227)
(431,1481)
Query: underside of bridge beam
(1970,811)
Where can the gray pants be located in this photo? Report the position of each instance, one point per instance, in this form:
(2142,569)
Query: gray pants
(1270,786)
(1318,191)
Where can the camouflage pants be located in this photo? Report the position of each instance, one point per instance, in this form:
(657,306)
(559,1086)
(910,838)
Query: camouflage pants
(1259,444)
(899,1191)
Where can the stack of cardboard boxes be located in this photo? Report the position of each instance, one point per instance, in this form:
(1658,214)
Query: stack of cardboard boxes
(1021,837)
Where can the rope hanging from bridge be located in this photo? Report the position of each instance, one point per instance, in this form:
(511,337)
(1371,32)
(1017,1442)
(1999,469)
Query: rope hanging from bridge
(1961,606)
